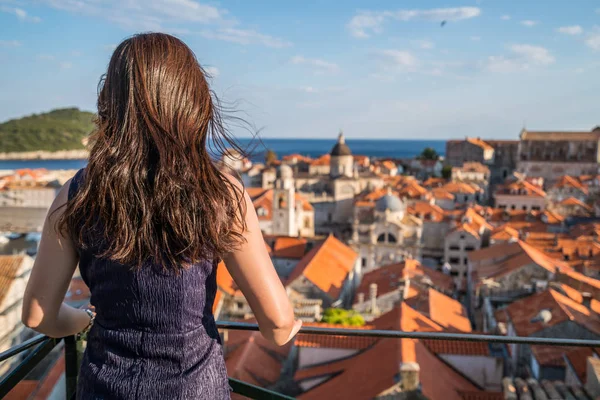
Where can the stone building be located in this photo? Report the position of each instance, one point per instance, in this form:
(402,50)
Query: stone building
(384,233)
(520,195)
(554,154)
(459,152)
(282,211)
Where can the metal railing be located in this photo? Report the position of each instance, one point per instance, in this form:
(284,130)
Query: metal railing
(73,353)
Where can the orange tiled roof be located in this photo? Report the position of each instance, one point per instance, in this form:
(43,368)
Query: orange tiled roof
(458,348)
(448,312)
(442,194)
(389,165)
(251,358)
(521,188)
(225,281)
(297,157)
(504,233)
(433,182)
(474,167)
(461,187)
(22,391)
(323,160)
(387,354)
(480,143)
(411,189)
(563,309)
(426,211)
(387,277)
(569,181)
(482,395)
(9,266)
(577,358)
(334,342)
(326,266)
(550,356)
(289,247)
(511,257)
(572,201)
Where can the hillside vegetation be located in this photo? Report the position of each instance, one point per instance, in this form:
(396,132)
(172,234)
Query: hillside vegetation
(61,129)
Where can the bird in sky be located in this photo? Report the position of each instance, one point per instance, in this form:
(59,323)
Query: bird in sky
(443,23)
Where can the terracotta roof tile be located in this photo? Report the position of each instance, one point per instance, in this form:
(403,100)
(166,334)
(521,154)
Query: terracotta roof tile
(225,281)
(482,395)
(577,358)
(572,201)
(442,194)
(461,187)
(457,347)
(298,158)
(560,136)
(521,312)
(480,143)
(334,342)
(321,161)
(426,211)
(474,167)
(387,354)
(327,265)
(289,247)
(387,277)
(521,188)
(569,181)
(9,267)
(504,233)
(251,358)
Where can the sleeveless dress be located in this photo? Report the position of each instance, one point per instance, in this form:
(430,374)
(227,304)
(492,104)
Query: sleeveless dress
(154,336)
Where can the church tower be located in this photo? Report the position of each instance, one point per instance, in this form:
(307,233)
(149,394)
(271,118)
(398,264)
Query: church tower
(284,203)
(342,162)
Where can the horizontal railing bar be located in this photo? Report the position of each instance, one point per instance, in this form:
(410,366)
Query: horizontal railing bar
(30,362)
(255,392)
(462,337)
(13,351)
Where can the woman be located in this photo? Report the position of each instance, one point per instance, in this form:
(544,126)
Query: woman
(148,220)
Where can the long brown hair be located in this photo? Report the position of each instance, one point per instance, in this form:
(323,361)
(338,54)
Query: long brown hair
(152,191)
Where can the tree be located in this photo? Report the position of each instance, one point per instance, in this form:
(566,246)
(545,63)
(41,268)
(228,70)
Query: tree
(429,154)
(339,316)
(270,157)
(447,172)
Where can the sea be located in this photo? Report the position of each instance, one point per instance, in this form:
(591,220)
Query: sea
(256,149)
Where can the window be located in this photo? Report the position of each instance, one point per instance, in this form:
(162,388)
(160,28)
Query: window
(262,212)
(391,238)
(453,273)
(524,208)
(462,237)
(469,248)
(454,247)
(363,262)
(465,261)
(454,260)
(513,207)
(381,238)
(502,206)
(307,223)
(535,208)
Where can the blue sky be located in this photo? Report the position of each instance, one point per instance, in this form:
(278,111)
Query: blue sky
(376,69)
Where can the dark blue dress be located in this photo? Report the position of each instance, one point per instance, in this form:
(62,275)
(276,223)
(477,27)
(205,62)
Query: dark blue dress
(155,336)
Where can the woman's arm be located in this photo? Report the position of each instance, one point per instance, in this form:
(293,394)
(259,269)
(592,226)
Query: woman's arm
(253,272)
(43,307)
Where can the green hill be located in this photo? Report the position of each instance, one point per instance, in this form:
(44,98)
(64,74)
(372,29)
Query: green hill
(61,129)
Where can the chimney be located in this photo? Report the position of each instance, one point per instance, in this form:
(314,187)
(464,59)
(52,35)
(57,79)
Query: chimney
(409,376)
(373,297)
(587,299)
(361,299)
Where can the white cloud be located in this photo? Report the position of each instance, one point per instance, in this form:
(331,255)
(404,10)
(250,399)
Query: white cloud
(529,23)
(535,54)
(109,47)
(46,57)
(245,37)
(522,57)
(367,23)
(212,72)
(398,60)
(20,14)
(505,17)
(424,44)
(65,65)
(10,43)
(593,39)
(170,16)
(475,38)
(309,89)
(570,30)
(319,65)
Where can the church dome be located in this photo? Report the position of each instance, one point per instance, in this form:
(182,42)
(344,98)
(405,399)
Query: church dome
(341,148)
(389,202)
(285,171)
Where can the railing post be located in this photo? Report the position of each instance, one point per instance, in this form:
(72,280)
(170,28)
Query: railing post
(73,351)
